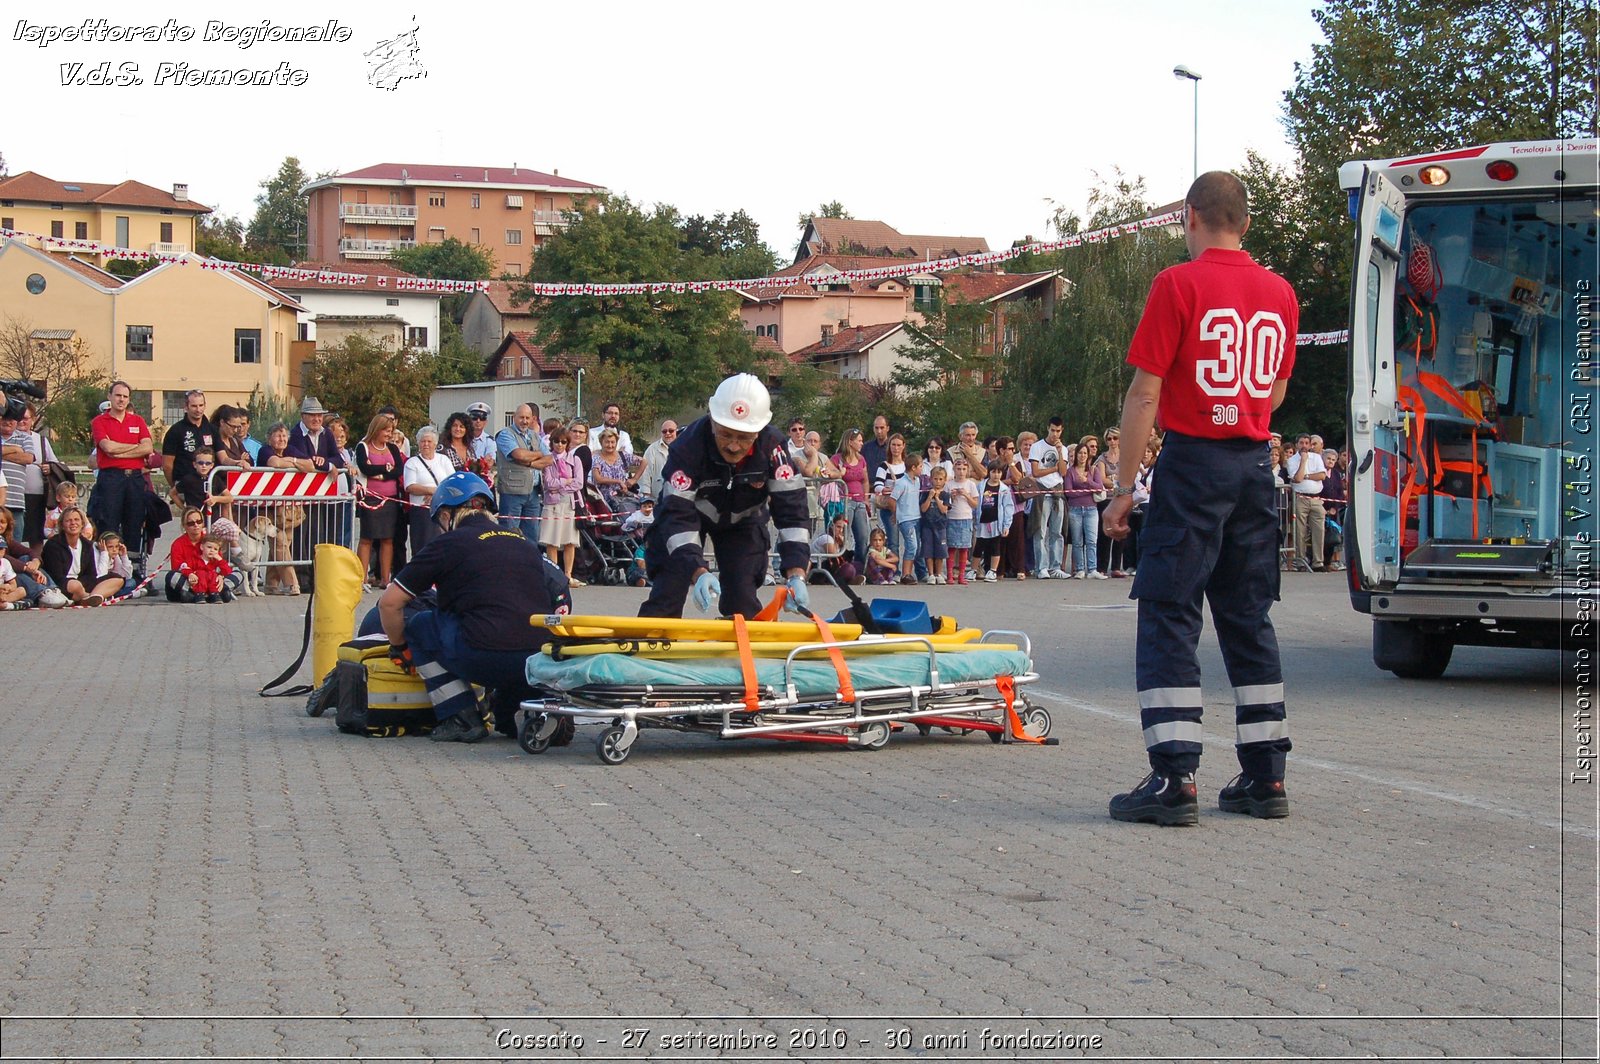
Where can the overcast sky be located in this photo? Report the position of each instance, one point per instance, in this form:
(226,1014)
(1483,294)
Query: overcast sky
(952,118)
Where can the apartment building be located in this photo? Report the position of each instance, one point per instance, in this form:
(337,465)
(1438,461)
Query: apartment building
(370,213)
(126,215)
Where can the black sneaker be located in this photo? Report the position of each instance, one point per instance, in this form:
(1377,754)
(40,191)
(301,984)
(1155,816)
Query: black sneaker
(1260,798)
(1170,801)
(227,594)
(464,727)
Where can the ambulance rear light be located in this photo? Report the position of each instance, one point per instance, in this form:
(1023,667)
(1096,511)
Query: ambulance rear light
(1433,175)
(1501,170)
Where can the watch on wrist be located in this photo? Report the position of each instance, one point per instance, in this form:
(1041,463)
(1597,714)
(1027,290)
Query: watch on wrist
(1117,493)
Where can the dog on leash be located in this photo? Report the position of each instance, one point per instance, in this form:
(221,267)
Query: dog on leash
(255,547)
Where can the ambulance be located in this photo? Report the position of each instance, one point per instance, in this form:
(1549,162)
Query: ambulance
(1472,406)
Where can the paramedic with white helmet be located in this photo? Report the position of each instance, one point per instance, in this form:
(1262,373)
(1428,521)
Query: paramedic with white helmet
(724,474)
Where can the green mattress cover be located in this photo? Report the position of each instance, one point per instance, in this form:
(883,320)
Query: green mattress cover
(813,679)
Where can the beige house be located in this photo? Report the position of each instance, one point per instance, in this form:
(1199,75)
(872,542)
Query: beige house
(177,327)
(370,213)
(128,215)
(859,236)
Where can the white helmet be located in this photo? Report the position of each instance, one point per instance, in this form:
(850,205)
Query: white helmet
(742,404)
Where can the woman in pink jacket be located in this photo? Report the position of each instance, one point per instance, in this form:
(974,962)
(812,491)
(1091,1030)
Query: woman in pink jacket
(558,528)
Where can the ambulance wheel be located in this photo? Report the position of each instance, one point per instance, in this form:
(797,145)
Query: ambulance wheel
(1409,652)
(609,747)
(874,736)
(528,734)
(1036,721)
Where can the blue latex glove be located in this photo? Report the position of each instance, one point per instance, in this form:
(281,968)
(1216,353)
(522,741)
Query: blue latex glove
(707,591)
(799,600)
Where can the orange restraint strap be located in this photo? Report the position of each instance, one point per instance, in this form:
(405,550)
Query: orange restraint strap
(1007,686)
(769,612)
(1458,402)
(747,664)
(847,689)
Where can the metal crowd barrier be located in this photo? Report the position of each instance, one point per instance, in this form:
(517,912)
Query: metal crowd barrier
(300,510)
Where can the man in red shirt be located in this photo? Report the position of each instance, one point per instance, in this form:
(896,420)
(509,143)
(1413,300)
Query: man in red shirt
(121,442)
(1212,358)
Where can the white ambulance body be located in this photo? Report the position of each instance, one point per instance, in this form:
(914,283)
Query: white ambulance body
(1473,380)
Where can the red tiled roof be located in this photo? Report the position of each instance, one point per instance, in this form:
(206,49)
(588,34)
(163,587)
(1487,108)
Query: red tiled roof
(502,298)
(851,341)
(428,173)
(880,238)
(372,270)
(519,342)
(37,188)
(104,278)
(265,289)
(982,287)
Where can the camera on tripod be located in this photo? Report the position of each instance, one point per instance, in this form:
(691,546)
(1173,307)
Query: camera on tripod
(14,407)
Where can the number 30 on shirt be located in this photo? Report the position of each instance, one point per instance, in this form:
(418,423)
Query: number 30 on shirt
(1248,356)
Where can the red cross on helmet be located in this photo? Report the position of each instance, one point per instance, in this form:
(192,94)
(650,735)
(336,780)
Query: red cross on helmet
(741,403)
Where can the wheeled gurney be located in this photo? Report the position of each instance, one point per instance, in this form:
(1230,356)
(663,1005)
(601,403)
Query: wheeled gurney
(738,680)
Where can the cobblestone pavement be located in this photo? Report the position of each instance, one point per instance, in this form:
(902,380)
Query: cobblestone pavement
(213,874)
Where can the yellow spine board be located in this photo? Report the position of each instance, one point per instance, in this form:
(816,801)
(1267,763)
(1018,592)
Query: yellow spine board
(665,649)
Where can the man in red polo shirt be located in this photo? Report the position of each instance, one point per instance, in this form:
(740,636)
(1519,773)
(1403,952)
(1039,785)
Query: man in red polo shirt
(121,442)
(1212,357)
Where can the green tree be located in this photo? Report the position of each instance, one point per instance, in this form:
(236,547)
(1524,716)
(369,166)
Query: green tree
(677,344)
(729,244)
(449,259)
(220,237)
(1402,76)
(946,369)
(1075,364)
(277,232)
(362,375)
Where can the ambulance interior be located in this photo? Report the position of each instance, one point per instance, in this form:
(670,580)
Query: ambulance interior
(1495,355)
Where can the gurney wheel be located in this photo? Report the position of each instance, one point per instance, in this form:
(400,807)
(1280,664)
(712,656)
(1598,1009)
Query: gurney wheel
(1036,721)
(609,748)
(528,734)
(997,736)
(874,736)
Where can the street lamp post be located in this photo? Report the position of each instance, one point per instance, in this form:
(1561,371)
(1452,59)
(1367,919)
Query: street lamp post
(1183,73)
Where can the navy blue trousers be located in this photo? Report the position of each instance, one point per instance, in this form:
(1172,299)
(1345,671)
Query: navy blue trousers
(449,666)
(1210,533)
(742,562)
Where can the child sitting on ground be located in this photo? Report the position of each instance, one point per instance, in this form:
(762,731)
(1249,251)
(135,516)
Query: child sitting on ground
(208,579)
(882,563)
(111,558)
(66,499)
(12,597)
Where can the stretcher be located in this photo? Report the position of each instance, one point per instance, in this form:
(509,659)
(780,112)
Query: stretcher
(764,679)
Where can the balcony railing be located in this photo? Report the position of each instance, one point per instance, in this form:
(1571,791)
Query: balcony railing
(167,247)
(391,213)
(550,218)
(372,249)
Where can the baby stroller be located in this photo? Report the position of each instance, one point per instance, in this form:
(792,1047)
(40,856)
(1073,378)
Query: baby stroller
(604,551)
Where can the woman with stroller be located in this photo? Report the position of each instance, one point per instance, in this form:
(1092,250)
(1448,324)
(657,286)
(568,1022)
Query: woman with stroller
(614,474)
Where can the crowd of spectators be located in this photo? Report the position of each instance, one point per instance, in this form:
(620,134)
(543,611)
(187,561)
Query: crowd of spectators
(883,510)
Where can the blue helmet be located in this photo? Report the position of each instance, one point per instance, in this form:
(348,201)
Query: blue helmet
(458,489)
